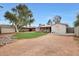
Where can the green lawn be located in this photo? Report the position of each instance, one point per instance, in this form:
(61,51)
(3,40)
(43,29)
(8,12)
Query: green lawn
(23,35)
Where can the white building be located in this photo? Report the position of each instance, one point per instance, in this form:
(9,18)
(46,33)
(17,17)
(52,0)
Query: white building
(59,28)
(7,29)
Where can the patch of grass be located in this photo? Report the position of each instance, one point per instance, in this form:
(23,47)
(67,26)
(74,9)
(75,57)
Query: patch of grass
(27,35)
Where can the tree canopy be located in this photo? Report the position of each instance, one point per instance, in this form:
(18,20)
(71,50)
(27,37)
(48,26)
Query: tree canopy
(57,19)
(76,23)
(20,16)
(49,22)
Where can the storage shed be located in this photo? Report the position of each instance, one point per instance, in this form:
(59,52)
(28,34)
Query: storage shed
(7,29)
(45,28)
(59,28)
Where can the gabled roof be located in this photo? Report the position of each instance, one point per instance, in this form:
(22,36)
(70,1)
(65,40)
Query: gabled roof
(62,24)
(28,27)
(45,26)
(6,26)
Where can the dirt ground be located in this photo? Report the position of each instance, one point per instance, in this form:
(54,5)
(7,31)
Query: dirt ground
(47,45)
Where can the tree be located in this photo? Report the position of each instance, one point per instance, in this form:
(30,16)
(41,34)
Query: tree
(19,16)
(49,22)
(13,19)
(76,23)
(57,19)
(31,18)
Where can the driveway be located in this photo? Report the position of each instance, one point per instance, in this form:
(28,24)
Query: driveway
(47,45)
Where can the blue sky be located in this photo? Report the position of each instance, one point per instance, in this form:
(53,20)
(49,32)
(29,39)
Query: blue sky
(42,12)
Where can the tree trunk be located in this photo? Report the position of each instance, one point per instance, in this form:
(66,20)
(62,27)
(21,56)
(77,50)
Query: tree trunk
(16,28)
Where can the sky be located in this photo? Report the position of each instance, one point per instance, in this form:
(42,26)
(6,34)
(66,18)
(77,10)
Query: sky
(42,12)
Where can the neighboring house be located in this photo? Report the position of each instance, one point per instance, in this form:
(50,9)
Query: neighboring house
(28,29)
(7,29)
(45,28)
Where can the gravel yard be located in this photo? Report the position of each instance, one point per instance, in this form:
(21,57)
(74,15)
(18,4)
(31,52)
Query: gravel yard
(47,45)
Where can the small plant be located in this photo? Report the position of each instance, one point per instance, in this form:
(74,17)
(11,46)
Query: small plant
(2,41)
(5,40)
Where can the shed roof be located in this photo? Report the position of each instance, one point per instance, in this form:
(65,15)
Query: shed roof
(62,24)
(6,26)
(45,26)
